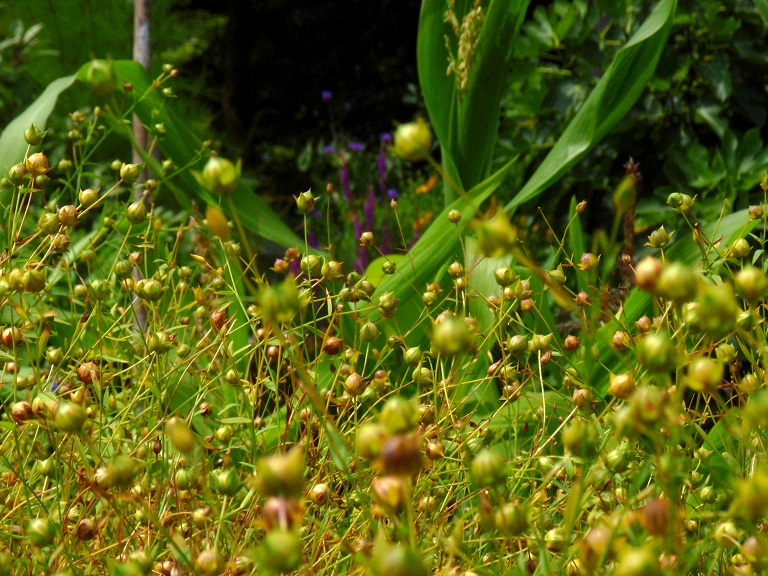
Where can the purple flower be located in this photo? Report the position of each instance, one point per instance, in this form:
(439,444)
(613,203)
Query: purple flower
(312,240)
(385,138)
(346,187)
(329,149)
(356,146)
(386,240)
(381,164)
(369,209)
(362,253)
(326,95)
(392,193)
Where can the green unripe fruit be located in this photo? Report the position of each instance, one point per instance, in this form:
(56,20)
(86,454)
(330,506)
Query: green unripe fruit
(400,415)
(489,469)
(412,356)
(70,417)
(184,479)
(413,141)
(121,471)
(279,303)
(388,304)
(370,440)
(149,289)
(18,174)
(677,282)
(726,353)
(37,164)
(496,236)
(740,249)
(226,482)
(136,213)
(657,353)
(34,136)
(581,438)
(369,332)
(88,197)
(312,265)
(751,283)
(40,531)
(88,255)
(511,519)
(659,238)
(638,562)
(422,376)
(704,374)
(332,271)
(397,560)
(100,77)
(129,173)
(159,342)
(281,551)
(282,474)
(100,289)
(680,202)
(719,312)
(48,223)
(305,201)
(33,281)
(180,434)
(210,563)
(517,345)
(504,276)
(220,176)
(451,337)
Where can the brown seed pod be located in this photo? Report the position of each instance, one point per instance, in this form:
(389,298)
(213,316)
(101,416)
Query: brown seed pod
(332,345)
(88,372)
(281,512)
(401,455)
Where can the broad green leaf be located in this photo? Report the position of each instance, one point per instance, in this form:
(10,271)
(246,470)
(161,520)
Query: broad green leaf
(609,102)
(12,143)
(482,283)
(466,120)
(375,274)
(439,244)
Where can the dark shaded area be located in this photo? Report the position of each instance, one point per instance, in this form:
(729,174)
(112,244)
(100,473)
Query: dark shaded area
(276,58)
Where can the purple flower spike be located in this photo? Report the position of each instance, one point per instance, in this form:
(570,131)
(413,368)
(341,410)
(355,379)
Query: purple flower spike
(356,146)
(329,149)
(346,187)
(392,193)
(327,95)
(381,165)
(369,209)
